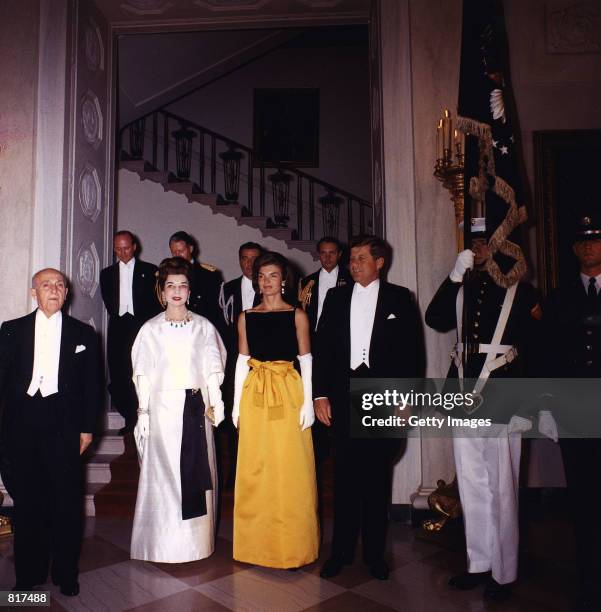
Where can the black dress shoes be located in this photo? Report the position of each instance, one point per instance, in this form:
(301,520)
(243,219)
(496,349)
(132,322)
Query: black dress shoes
(497,592)
(70,589)
(332,567)
(379,570)
(467,581)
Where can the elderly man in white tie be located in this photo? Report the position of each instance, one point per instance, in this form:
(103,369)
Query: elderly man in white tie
(50,386)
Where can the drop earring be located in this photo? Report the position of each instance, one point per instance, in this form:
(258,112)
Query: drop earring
(283,287)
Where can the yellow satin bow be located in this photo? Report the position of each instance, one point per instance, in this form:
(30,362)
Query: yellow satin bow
(266,388)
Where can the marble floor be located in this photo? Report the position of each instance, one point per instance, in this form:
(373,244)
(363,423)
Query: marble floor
(418,582)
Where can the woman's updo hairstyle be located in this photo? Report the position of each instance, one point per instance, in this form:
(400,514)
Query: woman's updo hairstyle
(171,265)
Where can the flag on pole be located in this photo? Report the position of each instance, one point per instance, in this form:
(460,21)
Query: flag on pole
(485,116)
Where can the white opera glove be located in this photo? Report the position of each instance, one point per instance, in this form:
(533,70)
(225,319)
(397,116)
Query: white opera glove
(215,400)
(519,425)
(307,413)
(547,425)
(142,428)
(242,369)
(464,262)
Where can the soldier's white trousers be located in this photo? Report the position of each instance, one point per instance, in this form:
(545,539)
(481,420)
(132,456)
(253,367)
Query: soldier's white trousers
(488,477)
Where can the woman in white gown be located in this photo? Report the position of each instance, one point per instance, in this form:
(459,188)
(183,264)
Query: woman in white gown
(178,359)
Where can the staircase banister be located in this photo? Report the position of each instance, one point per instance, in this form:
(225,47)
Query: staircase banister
(238,145)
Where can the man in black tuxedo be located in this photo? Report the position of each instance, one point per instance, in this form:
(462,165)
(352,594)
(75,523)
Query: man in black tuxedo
(312,289)
(206,280)
(50,385)
(127,289)
(369,329)
(236,296)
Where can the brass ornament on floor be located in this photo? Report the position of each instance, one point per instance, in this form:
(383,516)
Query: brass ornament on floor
(444,500)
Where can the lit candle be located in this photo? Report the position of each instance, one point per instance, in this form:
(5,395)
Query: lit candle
(439,140)
(447,128)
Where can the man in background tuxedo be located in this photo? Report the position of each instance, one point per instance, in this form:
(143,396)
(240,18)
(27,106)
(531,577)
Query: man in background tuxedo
(236,296)
(368,329)
(50,384)
(206,280)
(128,293)
(312,289)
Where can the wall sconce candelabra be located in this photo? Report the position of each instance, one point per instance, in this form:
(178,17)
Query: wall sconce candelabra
(449,168)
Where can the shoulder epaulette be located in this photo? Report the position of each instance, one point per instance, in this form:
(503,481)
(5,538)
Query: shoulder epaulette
(208,267)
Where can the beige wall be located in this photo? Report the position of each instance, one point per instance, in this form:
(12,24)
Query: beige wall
(18,66)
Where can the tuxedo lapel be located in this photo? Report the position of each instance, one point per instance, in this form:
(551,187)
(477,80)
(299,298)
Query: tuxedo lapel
(114,291)
(379,319)
(237,300)
(67,346)
(28,344)
(345,317)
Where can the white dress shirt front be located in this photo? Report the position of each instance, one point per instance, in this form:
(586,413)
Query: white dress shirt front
(126,281)
(46,354)
(327,280)
(363,312)
(585,281)
(248,293)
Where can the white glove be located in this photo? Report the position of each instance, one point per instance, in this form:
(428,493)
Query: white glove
(142,428)
(242,369)
(547,425)
(307,413)
(519,425)
(215,399)
(141,432)
(465,261)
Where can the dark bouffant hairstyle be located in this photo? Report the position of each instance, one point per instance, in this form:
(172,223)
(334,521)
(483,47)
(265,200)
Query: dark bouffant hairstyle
(377,246)
(173,265)
(329,240)
(249,245)
(271,258)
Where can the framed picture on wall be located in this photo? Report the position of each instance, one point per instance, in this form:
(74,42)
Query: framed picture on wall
(286,127)
(567,165)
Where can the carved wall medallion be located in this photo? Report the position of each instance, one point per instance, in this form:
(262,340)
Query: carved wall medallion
(90,193)
(94,48)
(574,29)
(146,7)
(88,269)
(91,119)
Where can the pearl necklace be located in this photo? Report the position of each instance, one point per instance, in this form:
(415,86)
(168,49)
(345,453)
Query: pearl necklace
(179,322)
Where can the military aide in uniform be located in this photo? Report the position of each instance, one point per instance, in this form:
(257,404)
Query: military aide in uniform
(572,319)
(206,280)
(500,331)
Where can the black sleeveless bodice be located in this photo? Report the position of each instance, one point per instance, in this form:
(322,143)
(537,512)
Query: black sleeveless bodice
(271,336)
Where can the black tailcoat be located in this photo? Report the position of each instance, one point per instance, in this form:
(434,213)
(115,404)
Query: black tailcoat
(44,472)
(363,467)
(122,331)
(309,288)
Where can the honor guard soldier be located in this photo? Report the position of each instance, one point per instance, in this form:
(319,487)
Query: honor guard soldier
(499,331)
(572,334)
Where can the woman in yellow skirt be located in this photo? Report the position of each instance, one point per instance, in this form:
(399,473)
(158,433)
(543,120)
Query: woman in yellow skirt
(275,499)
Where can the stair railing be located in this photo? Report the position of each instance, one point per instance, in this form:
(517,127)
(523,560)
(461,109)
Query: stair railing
(216,164)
